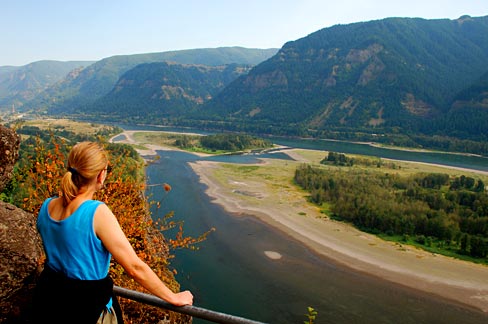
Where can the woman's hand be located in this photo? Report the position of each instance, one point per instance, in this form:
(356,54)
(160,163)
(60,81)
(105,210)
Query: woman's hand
(183,298)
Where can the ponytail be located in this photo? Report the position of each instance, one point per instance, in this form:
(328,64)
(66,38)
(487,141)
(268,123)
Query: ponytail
(85,161)
(68,188)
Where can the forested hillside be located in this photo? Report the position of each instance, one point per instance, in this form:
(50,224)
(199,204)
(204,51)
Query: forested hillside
(399,81)
(82,88)
(398,75)
(19,84)
(162,90)
(468,114)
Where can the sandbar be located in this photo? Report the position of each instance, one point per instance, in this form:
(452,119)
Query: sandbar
(454,279)
(273,255)
(288,210)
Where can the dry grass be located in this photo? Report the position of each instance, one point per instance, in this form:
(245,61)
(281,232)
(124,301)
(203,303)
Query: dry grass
(267,185)
(76,127)
(160,138)
(271,183)
(402,167)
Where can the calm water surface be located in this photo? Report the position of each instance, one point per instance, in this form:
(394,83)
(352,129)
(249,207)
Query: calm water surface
(455,160)
(231,274)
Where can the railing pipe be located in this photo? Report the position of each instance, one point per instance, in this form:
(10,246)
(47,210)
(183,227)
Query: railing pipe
(194,311)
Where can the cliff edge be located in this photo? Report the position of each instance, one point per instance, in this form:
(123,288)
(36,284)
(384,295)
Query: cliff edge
(20,244)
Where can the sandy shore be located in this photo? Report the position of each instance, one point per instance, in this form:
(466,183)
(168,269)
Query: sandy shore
(288,211)
(457,280)
(150,149)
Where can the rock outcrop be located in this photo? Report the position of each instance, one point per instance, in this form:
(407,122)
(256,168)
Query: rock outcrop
(20,245)
(9,153)
(20,252)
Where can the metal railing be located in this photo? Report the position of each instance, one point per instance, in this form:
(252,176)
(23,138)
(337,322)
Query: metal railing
(194,311)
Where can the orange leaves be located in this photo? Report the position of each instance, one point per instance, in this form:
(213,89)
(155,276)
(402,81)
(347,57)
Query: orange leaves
(42,173)
(125,196)
(166,187)
(124,193)
(188,242)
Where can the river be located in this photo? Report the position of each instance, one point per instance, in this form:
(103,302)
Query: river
(230,272)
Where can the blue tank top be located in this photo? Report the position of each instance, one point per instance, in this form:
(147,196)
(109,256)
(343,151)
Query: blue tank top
(71,244)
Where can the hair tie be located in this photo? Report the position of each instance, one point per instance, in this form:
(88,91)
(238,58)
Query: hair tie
(72,170)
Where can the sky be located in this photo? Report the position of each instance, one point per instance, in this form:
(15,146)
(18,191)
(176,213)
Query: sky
(90,30)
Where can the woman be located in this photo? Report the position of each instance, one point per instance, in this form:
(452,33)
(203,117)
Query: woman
(80,235)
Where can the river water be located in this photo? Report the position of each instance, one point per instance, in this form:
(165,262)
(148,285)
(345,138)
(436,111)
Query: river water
(230,272)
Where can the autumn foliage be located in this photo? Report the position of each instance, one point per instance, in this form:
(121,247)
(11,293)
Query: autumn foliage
(39,179)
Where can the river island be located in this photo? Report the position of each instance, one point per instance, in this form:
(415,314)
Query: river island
(269,195)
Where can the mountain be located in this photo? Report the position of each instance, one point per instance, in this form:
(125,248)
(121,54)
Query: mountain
(468,113)
(402,81)
(84,87)
(153,91)
(395,74)
(21,84)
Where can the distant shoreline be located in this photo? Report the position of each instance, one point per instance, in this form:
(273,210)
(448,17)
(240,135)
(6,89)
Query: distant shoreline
(391,147)
(460,281)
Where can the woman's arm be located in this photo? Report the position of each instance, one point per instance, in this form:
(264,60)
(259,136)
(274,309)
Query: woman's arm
(107,228)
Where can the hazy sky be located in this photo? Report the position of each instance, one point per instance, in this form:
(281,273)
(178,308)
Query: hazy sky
(66,30)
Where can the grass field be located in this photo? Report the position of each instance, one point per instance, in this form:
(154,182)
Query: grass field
(67,124)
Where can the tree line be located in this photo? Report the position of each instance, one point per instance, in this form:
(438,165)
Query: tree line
(432,209)
(223,142)
(425,138)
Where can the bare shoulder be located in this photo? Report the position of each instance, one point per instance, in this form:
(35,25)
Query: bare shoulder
(55,202)
(103,217)
(103,209)
(56,209)
(108,229)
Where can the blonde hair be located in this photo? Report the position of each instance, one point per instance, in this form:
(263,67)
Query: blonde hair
(85,161)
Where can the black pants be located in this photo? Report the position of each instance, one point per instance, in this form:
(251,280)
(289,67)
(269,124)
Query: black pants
(59,299)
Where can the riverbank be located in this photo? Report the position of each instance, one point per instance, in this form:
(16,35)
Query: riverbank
(281,205)
(147,150)
(289,211)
